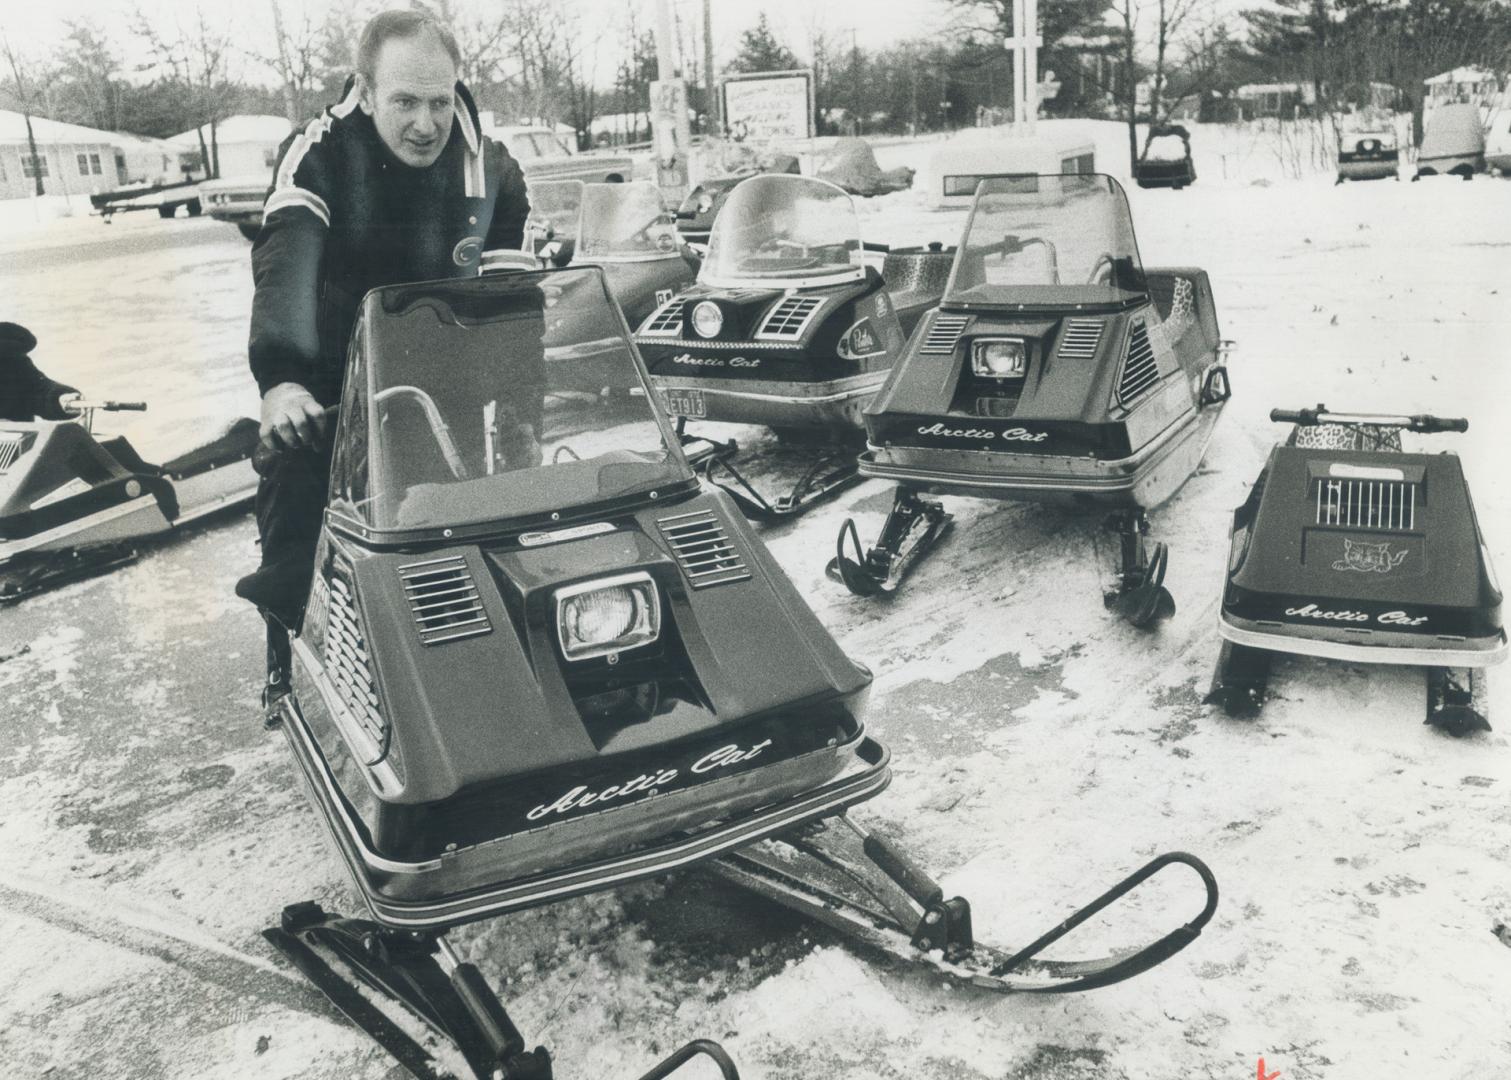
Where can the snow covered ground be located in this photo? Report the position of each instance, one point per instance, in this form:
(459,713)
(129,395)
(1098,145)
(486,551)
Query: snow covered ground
(150,828)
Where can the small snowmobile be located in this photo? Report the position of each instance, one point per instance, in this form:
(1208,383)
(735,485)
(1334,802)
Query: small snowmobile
(790,328)
(537,664)
(72,504)
(1056,369)
(1350,549)
(625,229)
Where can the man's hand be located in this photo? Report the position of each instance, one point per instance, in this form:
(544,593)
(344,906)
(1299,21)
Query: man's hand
(291,417)
(68,404)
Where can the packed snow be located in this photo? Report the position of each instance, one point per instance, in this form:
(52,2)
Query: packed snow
(1042,749)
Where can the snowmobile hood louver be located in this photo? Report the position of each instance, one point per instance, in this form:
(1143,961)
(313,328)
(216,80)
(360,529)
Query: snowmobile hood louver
(346,663)
(444,600)
(1140,371)
(943,333)
(789,318)
(12,443)
(668,320)
(702,547)
(1080,339)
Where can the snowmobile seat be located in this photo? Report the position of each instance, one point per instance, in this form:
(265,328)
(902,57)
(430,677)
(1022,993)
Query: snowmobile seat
(915,278)
(236,442)
(1183,297)
(119,448)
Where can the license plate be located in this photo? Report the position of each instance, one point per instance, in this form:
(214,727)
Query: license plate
(685,401)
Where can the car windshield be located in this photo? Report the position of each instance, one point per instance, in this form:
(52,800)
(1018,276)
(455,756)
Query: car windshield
(1047,241)
(625,222)
(784,231)
(460,410)
(554,209)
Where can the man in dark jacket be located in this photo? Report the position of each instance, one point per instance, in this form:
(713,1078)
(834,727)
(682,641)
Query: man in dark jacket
(395,183)
(26,393)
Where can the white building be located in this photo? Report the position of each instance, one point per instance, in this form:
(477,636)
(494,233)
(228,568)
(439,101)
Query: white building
(77,160)
(247,144)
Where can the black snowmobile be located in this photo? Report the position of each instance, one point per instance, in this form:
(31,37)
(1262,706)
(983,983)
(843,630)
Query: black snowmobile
(1056,369)
(790,328)
(701,207)
(536,665)
(1350,549)
(71,504)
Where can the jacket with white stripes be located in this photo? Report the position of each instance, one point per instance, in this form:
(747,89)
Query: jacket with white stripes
(344,216)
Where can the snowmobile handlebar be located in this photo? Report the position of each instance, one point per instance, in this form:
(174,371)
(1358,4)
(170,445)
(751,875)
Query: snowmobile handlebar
(82,405)
(1422,423)
(266,458)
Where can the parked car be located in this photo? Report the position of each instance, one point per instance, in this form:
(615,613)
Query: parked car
(541,153)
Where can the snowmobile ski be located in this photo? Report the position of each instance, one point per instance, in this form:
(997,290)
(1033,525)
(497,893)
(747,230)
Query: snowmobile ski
(826,476)
(1456,701)
(1240,681)
(1141,597)
(862,886)
(912,529)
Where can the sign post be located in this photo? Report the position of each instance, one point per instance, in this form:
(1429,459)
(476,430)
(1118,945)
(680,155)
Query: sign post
(670,131)
(1024,45)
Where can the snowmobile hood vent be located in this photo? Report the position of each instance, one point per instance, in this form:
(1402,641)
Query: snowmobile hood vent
(11,445)
(1367,504)
(788,320)
(1140,372)
(943,333)
(444,600)
(668,320)
(346,663)
(703,549)
(1080,339)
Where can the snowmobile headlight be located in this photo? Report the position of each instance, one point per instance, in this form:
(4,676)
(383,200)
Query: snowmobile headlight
(708,320)
(705,202)
(609,615)
(999,358)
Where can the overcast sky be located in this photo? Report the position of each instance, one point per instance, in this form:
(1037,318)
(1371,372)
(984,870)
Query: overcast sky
(871,24)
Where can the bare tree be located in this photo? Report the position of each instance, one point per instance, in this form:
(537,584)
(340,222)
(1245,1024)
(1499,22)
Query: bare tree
(24,83)
(88,71)
(196,58)
(299,45)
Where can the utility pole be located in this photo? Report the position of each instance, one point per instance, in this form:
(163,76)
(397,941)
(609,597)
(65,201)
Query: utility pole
(1025,44)
(670,131)
(713,106)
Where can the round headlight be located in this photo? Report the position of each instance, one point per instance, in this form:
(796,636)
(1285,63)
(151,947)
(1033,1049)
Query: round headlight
(708,320)
(705,202)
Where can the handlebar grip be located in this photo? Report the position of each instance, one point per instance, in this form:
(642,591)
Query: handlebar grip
(1296,416)
(1430,424)
(125,406)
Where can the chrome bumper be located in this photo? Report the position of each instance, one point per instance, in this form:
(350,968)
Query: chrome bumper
(1363,646)
(781,404)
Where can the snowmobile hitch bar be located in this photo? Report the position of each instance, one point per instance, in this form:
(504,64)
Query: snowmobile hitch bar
(698,1047)
(1421,423)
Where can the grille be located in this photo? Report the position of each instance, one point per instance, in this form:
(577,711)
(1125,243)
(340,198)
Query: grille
(1080,339)
(346,662)
(703,550)
(444,600)
(1139,369)
(1367,504)
(944,331)
(790,317)
(11,444)
(668,320)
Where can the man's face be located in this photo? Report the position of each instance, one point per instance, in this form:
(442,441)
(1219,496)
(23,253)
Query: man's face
(412,98)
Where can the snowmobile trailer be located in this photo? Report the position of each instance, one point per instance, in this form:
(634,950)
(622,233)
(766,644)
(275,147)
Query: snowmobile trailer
(72,504)
(1056,369)
(1347,548)
(788,327)
(532,668)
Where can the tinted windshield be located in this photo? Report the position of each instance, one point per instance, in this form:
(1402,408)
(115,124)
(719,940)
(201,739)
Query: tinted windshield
(1047,241)
(554,209)
(784,230)
(625,221)
(457,409)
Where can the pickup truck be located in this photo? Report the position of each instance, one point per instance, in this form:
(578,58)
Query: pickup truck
(541,153)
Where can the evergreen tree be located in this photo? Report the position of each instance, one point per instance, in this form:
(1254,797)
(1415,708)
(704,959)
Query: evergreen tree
(760,50)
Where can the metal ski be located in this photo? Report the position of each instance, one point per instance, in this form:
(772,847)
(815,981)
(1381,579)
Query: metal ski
(856,882)
(827,476)
(912,528)
(1456,700)
(1141,596)
(419,971)
(1240,681)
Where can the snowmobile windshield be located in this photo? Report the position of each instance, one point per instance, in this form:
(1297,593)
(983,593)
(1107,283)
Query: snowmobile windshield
(1047,242)
(554,209)
(784,231)
(457,410)
(1166,148)
(625,223)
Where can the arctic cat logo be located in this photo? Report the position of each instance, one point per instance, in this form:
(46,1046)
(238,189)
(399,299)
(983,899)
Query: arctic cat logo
(579,798)
(718,361)
(1016,434)
(1385,618)
(1369,557)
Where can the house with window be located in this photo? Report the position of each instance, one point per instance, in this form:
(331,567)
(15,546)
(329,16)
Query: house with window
(76,160)
(247,144)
